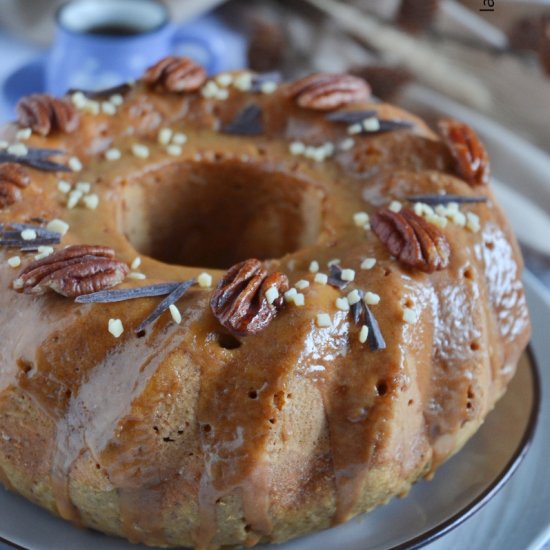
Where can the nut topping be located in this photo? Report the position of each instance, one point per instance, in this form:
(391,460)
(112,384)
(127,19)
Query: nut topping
(469,153)
(45,114)
(328,91)
(239,301)
(175,74)
(73,271)
(12,178)
(411,239)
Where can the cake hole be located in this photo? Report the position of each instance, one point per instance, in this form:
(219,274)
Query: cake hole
(382,387)
(215,214)
(474,346)
(272,421)
(490,245)
(207,428)
(253,394)
(468,273)
(228,341)
(411,402)
(25,366)
(98,467)
(168,439)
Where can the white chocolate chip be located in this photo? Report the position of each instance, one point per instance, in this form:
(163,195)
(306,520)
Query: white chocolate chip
(395,206)
(58,226)
(321,278)
(347,144)
(472,222)
(83,186)
(108,108)
(164,136)
(204,280)
(18,149)
(136,262)
(139,150)
(28,234)
(314,267)
(243,82)
(290,294)
(23,134)
(179,138)
(222,94)
(299,299)
(368,263)
(74,198)
(74,164)
(224,79)
(79,100)
(112,154)
(323,320)
(342,304)
(371,298)
(297,148)
(271,294)
(363,334)
(91,201)
(43,252)
(116,100)
(14,261)
(301,284)
(18,283)
(175,313)
(355,129)
(360,219)
(347,275)
(371,124)
(174,150)
(136,276)
(409,315)
(63,186)
(268,87)
(353,297)
(116,328)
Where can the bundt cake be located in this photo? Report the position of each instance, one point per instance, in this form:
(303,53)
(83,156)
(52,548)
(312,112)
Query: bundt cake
(235,310)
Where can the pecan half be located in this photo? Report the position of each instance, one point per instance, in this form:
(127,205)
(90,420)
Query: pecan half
(175,74)
(411,239)
(328,91)
(45,114)
(470,154)
(239,301)
(12,178)
(73,271)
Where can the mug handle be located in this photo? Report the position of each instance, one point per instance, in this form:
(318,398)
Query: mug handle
(205,47)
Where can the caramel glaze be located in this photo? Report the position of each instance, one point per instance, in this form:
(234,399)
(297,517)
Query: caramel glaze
(179,438)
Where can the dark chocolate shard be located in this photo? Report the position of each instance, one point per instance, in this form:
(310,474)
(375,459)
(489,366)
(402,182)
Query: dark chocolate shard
(335,277)
(172,298)
(106,93)
(38,159)
(375,340)
(387,125)
(123,294)
(350,117)
(248,122)
(445,199)
(10,236)
(362,315)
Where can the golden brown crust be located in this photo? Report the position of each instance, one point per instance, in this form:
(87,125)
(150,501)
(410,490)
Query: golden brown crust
(190,436)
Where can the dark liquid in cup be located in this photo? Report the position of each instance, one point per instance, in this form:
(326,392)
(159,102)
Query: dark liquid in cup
(114,29)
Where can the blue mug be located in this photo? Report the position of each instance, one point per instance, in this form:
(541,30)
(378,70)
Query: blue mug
(101,43)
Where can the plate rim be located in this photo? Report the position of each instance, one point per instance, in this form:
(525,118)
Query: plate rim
(459,517)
